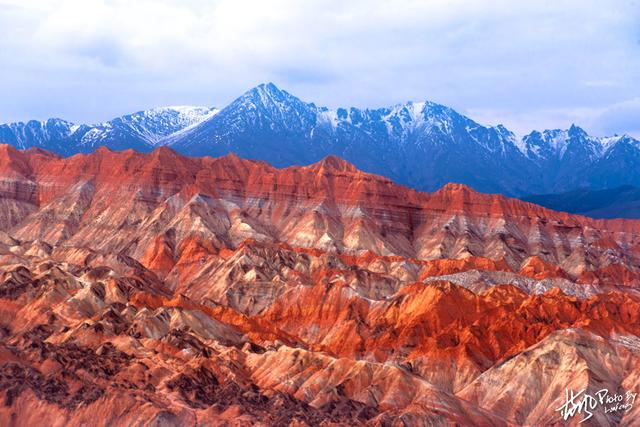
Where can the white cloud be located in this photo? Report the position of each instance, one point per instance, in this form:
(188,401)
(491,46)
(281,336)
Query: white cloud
(622,117)
(526,64)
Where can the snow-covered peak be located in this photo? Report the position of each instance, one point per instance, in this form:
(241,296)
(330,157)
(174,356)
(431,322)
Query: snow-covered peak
(399,118)
(267,90)
(151,126)
(610,142)
(179,116)
(267,107)
(39,133)
(267,95)
(556,143)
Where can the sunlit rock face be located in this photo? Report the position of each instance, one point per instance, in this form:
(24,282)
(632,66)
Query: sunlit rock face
(159,289)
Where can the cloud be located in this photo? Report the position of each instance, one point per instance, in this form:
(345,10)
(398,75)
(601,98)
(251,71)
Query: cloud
(528,64)
(623,117)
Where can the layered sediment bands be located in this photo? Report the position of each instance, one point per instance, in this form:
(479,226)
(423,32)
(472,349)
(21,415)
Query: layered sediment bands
(165,290)
(573,359)
(330,205)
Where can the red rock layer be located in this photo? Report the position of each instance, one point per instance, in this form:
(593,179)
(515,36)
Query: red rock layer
(159,289)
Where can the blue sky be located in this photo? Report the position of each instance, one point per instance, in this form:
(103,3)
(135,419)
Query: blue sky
(527,64)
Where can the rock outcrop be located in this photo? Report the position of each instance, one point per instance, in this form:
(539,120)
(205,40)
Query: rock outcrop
(156,289)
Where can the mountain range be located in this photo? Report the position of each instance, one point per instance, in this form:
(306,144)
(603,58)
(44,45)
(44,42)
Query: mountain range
(140,131)
(420,144)
(158,289)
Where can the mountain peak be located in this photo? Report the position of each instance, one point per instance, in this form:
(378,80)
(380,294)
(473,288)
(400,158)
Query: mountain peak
(103,149)
(335,164)
(268,91)
(576,131)
(269,86)
(164,151)
(455,187)
(267,101)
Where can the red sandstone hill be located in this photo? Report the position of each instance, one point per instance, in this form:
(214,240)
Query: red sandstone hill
(160,289)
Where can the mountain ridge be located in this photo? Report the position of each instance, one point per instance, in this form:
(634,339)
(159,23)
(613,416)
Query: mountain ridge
(141,130)
(420,144)
(159,288)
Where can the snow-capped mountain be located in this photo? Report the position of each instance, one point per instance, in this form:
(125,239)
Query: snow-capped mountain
(420,144)
(141,131)
(47,134)
(150,127)
(570,159)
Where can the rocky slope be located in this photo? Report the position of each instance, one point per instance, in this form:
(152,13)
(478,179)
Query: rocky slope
(159,289)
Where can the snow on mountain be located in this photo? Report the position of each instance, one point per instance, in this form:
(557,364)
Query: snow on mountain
(141,130)
(157,124)
(554,144)
(150,126)
(420,144)
(45,134)
(413,143)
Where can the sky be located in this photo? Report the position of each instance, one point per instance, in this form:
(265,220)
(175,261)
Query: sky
(533,64)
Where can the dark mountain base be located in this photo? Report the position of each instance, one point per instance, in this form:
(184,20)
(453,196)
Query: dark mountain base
(620,202)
